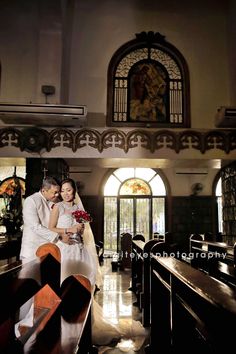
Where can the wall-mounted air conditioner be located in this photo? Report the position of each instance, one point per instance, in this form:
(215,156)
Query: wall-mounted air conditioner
(226,117)
(43,115)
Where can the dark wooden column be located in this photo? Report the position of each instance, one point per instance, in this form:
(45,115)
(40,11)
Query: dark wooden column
(37,169)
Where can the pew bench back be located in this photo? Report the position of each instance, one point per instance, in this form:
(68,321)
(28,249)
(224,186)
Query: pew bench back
(217,259)
(59,316)
(190,311)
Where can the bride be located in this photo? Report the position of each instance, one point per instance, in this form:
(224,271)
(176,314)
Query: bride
(82,258)
(78,253)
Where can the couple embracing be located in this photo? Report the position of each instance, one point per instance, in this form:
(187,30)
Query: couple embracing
(46,222)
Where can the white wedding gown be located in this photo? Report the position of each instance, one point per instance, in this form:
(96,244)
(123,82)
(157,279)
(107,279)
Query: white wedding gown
(85,261)
(73,258)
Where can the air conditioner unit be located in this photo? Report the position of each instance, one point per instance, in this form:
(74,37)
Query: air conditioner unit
(43,115)
(226,117)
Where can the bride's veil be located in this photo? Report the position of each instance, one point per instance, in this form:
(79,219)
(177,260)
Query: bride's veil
(90,243)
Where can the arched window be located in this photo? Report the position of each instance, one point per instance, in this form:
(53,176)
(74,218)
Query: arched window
(134,202)
(218,193)
(10,210)
(148,84)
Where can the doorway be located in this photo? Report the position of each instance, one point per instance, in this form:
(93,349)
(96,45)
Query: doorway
(135,203)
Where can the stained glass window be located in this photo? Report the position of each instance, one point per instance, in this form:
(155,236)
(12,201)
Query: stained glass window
(135,186)
(148,84)
(147,176)
(12,191)
(9,185)
(218,193)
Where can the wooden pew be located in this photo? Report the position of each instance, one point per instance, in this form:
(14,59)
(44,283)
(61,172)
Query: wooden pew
(217,259)
(10,249)
(136,265)
(140,275)
(19,283)
(191,312)
(145,293)
(61,314)
(220,249)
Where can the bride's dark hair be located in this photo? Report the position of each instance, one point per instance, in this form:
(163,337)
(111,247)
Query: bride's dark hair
(72,183)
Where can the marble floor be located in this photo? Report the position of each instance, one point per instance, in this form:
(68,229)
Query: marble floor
(117,303)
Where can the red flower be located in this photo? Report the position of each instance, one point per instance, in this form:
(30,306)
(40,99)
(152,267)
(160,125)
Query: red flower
(82,216)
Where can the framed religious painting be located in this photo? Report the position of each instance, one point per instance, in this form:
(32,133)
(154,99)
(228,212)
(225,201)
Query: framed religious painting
(147,93)
(148,84)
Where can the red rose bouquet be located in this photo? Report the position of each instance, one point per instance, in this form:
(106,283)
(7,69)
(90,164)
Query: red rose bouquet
(80,216)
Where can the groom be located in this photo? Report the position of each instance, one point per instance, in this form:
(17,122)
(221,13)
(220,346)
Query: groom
(36,213)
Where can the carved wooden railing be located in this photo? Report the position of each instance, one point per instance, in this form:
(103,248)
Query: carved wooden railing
(36,139)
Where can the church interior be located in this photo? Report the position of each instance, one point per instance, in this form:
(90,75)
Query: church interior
(136,102)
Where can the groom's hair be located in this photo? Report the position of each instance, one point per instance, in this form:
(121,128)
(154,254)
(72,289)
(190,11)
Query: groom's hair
(48,182)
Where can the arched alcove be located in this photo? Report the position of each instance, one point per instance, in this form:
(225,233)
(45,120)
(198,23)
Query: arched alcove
(148,84)
(134,202)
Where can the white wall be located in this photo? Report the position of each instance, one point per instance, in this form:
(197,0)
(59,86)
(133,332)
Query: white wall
(32,53)
(197,29)
(31,49)
(93,177)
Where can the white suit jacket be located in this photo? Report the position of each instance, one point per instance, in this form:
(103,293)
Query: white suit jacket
(36,213)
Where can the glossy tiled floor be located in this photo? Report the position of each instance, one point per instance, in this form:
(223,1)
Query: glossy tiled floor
(117,302)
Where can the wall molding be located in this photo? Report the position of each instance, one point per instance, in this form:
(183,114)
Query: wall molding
(36,139)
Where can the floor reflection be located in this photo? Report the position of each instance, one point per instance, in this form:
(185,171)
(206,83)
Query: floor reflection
(117,304)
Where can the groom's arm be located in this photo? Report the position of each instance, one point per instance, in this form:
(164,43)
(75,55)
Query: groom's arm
(33,222)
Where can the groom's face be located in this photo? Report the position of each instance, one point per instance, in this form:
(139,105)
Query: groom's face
(51,193)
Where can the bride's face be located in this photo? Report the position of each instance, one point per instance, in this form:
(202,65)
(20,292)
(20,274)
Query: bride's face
(67,192)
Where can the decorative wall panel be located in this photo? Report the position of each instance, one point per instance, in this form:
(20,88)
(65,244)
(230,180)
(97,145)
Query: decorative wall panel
(117,139)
